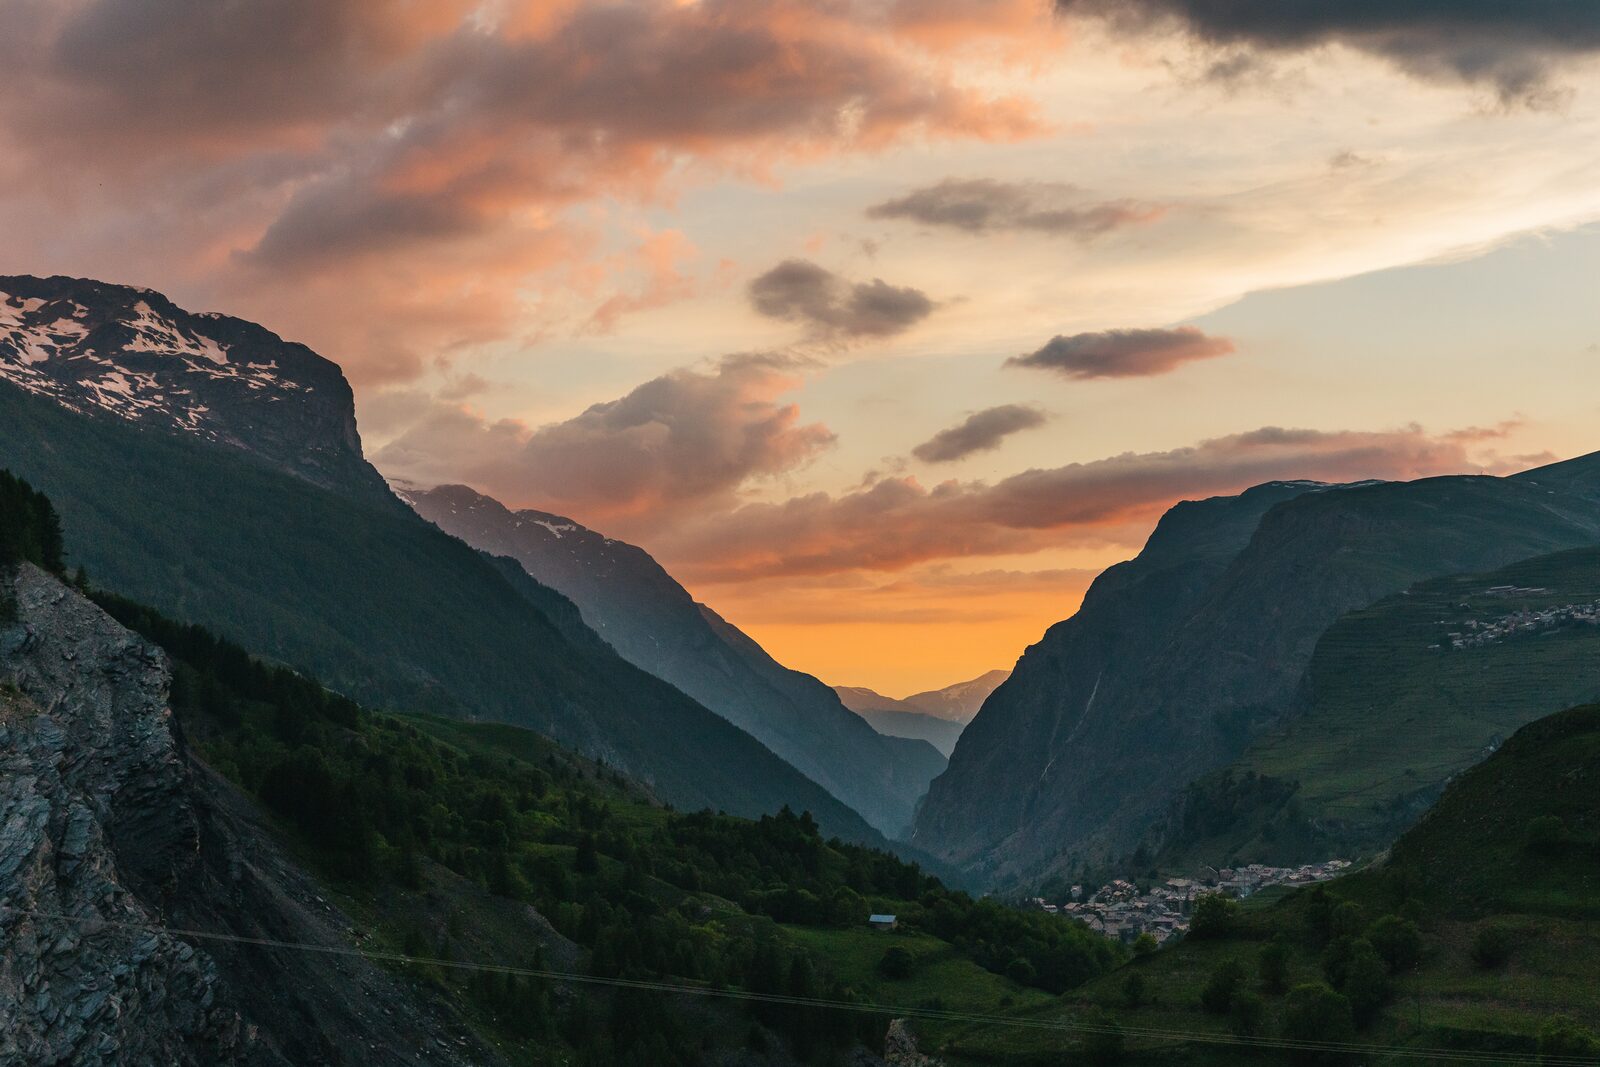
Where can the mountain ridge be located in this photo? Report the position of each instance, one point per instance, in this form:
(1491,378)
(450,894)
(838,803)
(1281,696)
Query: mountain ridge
(324,568)
(1182,655)
(633,603)
(956,703)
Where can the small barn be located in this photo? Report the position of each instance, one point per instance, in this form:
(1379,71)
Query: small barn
(882,922)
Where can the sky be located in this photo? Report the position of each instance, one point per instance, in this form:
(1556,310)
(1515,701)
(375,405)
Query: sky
(884,324)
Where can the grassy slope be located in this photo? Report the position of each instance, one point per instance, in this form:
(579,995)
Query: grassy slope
(374,601)
(1391,719)
(1469,865)
(942,978)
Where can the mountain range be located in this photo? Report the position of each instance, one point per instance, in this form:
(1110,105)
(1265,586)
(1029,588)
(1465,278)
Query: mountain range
(937,716)
(206,467)
(653,622)
(1181,658)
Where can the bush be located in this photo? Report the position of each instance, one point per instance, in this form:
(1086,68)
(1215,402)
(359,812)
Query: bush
(1217,996)
(1313,1012)
(1397,940)
(897,964)
(1022,972)
(1348,919)
(1561,1038)
(1491,947)
(1319,916)
(1246,1015)
(1273,966)
(1133,989)
(1145,944)
(1366,983)
(1214,916)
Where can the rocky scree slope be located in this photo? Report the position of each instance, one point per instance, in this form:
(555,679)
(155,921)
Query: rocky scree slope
(642,612)
(104,821)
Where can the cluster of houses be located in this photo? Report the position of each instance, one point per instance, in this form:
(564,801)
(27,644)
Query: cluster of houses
(1476,634)
(1122,910)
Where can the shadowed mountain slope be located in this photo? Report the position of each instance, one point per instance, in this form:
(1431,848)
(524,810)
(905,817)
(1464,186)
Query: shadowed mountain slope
(636,606)
(328,571)
(1180,657)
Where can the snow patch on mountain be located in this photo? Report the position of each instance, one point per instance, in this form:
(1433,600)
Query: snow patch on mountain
(132,362)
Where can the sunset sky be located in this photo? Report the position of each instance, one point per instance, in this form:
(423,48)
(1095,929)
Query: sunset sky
(883,324)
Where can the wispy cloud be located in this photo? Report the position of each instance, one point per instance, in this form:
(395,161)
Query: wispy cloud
(1124,353)
(982,431)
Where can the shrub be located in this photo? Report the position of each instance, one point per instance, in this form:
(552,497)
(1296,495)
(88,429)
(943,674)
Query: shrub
(1336,960)
(1022,972)
(1245,1017)
(1133,989)
(1217,996)
(1214,916)
(1274,967)
(1319,916)
(1348,919)
(1313,1012)
(1366,983)
(1397,940)
(1562,1038)
(1491,947)
(897,963)
(1145,944)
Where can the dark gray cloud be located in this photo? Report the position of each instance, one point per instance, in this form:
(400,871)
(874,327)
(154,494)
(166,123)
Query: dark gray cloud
(1509,45)
(980,432)
(1123,353)
(980,205)
(798,290)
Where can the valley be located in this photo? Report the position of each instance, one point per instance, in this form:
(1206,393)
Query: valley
(553,809)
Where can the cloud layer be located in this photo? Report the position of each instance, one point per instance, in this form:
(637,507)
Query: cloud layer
(395,182)
(983,431)
(983,205)
(1124,353)
(897,522)
(1509,46)
(832,308)
(678,444)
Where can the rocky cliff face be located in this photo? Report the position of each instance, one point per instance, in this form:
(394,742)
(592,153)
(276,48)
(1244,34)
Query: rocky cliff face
(1178,658)
(642,612)
(113,845)
(134,355)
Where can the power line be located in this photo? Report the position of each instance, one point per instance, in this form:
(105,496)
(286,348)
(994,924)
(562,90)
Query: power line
(900,1011)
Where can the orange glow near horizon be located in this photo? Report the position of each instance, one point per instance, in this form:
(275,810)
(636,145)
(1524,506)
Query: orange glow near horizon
(902,639)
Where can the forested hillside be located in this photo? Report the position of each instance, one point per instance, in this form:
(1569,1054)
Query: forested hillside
(357,590)
(379,802)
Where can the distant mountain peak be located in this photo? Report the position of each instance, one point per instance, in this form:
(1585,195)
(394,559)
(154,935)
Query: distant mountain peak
(956,703)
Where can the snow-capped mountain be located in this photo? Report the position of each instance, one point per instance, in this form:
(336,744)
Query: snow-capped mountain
(132,354)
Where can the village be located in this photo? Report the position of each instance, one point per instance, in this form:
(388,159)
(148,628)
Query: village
(1123,910)
(1477,634)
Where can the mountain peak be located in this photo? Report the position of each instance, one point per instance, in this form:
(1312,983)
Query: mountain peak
(132,354)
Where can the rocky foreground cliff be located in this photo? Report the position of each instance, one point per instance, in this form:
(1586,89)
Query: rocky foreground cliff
(114,844)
